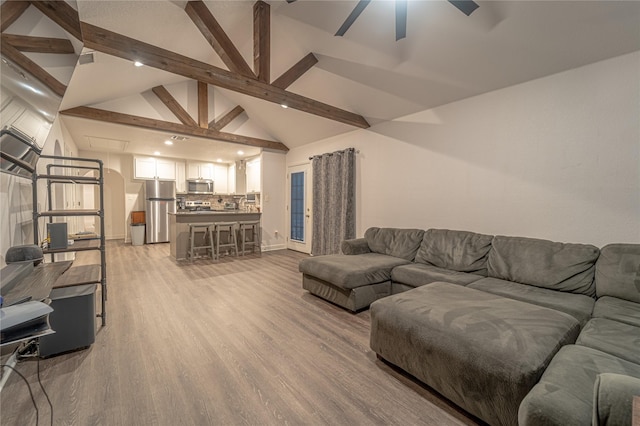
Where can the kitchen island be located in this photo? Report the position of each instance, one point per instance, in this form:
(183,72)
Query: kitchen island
(179,225)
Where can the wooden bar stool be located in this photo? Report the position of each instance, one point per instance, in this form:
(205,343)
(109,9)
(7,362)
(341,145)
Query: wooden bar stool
(206,229)
(222,228)
(254,242)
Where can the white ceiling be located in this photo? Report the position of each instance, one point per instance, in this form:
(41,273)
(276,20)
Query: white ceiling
(445,57)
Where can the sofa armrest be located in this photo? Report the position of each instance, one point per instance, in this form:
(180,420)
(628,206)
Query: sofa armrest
(613,399)
(355,246)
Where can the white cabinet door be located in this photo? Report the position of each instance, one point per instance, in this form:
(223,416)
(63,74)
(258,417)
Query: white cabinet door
(206,171)
(181,180)
(231,179)
(199,170)
(165,169)
(220,179)
(144,168)
(193,171)
(253,175)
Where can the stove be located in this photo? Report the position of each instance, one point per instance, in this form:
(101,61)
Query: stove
(198,205)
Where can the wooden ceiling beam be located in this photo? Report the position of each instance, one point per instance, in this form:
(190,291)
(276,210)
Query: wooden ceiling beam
(295,72)
(286,79)
(62,14)
(203,105)
(10,12)
(170,102)
(149,123)
(125,47)
(262,41)
(217,38)
(227,118)
(39,44)
(31,67)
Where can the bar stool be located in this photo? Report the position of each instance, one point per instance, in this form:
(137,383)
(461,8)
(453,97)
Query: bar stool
(206,229)
(231,243)
(254,242)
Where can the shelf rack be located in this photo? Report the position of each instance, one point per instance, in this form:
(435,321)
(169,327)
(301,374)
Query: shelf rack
(84,274)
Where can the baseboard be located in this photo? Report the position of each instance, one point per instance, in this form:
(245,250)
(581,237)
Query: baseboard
(274,247)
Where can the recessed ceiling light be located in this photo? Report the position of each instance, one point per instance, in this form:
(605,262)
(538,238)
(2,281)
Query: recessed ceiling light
(284,106)
(240,152)
(138,64)
(168,143)
(156,152)
(219,160)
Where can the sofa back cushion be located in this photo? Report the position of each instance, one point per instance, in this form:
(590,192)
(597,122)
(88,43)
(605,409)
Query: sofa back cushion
(557,266)
(402,243)
(618,272)
(460,251)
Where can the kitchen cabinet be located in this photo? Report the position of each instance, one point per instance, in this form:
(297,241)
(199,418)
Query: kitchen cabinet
(220,179)
(198,170)
(154,168)
(181,178)
(253,175)
(231,179)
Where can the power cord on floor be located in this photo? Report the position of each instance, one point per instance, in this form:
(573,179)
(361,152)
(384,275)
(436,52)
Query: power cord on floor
(28,387)
(44,391)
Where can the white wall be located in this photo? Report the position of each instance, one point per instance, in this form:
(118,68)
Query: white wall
(273,170)
(555,158)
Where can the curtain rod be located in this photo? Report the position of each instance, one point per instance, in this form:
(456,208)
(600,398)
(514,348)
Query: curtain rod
(357,151)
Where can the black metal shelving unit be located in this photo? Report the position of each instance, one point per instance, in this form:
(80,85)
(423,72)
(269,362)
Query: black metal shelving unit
(83,274)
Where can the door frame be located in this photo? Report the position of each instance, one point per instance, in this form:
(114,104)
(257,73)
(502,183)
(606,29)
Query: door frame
(304,247)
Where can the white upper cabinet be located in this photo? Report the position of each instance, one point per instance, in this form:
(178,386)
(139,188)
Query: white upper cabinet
(231,179)
(253,175)
(154,168)
(181,180)
(197,170)
(220,179)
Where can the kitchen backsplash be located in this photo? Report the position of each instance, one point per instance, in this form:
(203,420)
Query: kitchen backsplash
(217,201)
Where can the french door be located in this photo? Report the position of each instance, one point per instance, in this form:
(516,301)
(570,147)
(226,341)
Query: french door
(299,208)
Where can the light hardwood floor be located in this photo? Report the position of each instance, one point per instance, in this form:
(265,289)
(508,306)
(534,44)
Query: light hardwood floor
(234,342)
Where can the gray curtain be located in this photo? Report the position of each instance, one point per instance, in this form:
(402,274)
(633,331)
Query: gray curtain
(334,201)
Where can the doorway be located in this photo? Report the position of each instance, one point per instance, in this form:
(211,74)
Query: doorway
(299,206)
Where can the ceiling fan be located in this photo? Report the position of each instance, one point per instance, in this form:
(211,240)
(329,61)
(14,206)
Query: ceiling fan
(465,6)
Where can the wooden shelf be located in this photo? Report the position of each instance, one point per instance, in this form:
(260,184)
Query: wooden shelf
(38,284)
(79,275)
(78,245)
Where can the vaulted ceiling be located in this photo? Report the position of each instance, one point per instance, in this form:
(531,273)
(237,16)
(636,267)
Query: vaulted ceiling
(332,85)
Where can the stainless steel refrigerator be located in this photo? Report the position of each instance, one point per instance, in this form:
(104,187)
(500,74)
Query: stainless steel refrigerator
(161,200)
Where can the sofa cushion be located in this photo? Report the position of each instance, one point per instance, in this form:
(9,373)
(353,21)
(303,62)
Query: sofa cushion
(617,310)
(613,399)
(402,243)
(564,395)
(461,251)
(613,337)
(351,271)
(417,274)
(578,306)
(618,272)
(557,266)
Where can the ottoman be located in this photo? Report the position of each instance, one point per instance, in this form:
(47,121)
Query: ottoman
(482,351)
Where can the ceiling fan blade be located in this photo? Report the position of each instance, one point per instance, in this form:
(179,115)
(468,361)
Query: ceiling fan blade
(465,6)
(290,1)
(401,19)
(352,17)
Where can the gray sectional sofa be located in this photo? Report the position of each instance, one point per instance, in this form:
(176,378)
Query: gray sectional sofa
(513,330)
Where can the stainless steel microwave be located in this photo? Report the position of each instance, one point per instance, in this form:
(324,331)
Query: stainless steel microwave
(200,186)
